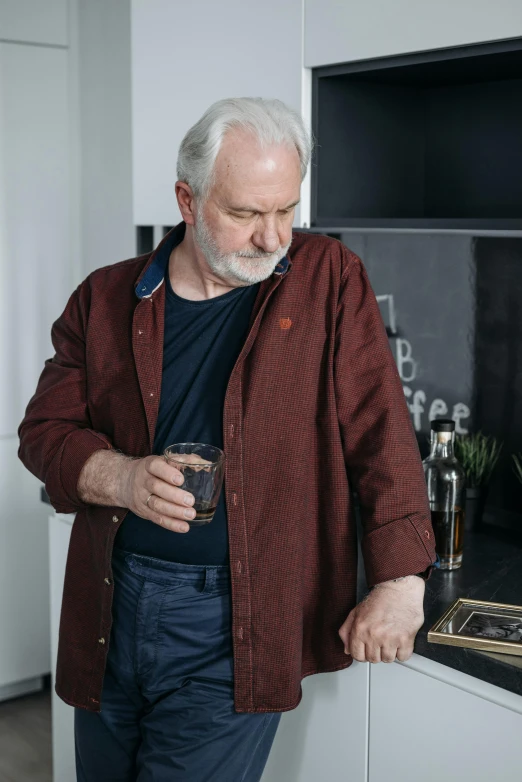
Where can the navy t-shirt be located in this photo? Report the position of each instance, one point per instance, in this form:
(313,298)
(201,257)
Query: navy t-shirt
(202,342)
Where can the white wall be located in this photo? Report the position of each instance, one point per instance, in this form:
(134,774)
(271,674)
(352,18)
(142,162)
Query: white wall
(103,72)
(339,31)
(187,55)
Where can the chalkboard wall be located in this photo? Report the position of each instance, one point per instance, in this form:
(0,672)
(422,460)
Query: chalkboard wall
(451,304)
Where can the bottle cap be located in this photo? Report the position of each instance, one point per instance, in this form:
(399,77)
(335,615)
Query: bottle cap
(443,425)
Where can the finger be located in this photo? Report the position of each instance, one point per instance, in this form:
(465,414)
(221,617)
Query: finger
(168,523)
(388,654)
(404,653)
(168,515)
(358,650)
(345,630)
(160,468)
(373,653)
(160,488)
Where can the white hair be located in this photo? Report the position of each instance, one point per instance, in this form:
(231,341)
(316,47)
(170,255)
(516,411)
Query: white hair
(271,122)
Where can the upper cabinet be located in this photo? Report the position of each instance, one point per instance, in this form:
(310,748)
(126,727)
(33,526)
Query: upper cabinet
(35,204)
(338,31)
(34,21)
(185,56)
(427,140)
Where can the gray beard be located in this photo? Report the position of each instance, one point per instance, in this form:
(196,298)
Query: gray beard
(240,269)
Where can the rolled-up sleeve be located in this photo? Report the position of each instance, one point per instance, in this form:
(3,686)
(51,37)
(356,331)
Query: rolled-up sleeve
(381,453)
(56,437)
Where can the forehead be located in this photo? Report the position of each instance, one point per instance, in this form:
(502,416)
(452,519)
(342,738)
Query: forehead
(244,166)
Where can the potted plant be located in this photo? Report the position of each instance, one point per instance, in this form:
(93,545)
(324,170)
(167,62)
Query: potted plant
(478,455)
(517,458)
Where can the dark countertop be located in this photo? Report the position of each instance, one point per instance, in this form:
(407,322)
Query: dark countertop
(491,570)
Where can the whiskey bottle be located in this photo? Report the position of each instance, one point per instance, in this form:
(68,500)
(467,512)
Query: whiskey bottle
(446,483)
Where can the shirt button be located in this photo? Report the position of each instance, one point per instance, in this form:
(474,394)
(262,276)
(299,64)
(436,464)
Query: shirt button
(240,633)
(107,581)
(239,567)
(427,533)
(115,519)
(232,430)
(152,394)
(101,640)
(234,498)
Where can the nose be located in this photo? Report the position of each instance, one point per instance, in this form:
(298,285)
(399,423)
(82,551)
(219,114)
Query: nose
(267,235)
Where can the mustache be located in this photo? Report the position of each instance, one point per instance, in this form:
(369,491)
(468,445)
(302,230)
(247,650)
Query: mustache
(257,254)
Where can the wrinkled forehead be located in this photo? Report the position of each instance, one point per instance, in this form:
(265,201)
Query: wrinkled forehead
(243,163)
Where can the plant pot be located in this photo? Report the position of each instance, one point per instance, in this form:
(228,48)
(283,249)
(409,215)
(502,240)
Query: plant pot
(475,504)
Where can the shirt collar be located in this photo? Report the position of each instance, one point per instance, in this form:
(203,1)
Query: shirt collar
(282,267)
(154,273)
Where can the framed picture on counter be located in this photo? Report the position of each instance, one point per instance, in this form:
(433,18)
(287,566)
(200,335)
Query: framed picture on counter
(490,627)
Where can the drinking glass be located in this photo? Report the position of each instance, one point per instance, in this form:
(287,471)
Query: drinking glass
(202,467)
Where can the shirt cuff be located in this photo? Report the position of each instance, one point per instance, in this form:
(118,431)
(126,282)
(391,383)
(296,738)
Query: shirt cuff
(402,547)
(62,478)
(426,575)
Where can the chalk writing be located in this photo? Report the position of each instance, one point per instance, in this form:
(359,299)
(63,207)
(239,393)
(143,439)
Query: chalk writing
(408,367)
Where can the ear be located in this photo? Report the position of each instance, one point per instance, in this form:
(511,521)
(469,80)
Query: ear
(186,202)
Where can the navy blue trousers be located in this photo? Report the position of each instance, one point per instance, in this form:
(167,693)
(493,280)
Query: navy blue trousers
(167,709)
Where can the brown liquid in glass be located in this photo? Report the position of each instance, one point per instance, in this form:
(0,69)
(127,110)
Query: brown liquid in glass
(204,513)
(448,527)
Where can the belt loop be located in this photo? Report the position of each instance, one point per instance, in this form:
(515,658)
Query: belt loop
(210,579)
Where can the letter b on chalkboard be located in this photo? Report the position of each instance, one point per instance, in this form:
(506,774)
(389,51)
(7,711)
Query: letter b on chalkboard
(406,365)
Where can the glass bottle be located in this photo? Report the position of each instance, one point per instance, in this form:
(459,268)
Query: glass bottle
(446,483)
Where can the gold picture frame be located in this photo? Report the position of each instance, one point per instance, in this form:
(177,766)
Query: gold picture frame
(481,625)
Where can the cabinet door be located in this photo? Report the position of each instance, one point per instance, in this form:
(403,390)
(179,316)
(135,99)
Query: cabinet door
(422,728)
(350,30)
(326,737)
(185,56)
(35,248)
(34,21)
(63,715)
(24,572)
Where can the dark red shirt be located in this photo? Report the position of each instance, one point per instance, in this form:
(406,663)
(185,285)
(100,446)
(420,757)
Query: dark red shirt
(314,407)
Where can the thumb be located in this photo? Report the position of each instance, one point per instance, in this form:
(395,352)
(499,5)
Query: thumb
(345,630)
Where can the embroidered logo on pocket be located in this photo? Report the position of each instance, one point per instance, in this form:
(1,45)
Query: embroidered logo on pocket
(285,323)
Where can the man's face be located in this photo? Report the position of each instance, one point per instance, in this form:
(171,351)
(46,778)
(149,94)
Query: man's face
(244,227)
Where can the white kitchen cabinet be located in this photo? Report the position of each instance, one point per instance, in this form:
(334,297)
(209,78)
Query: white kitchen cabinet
(344,31)
(34,21)
(60,525)
(185,56)
(24,578)
(452,727)
(326,737)
(35,243)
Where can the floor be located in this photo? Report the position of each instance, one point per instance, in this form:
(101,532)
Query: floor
(25,739)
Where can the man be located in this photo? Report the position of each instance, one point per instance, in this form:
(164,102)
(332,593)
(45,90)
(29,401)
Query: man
(179,646)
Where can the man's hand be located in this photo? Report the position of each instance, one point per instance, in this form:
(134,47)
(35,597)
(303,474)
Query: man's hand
(110,478)
(383,626)
(168,506)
